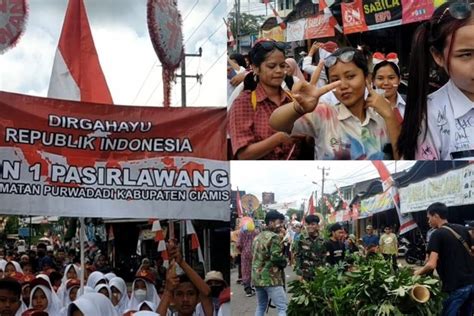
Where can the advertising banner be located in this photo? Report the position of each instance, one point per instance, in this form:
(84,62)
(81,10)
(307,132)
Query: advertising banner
(295,30)
(67,158)
(446,188)
(318,26)
(275,33)
(367,15)
(375,204)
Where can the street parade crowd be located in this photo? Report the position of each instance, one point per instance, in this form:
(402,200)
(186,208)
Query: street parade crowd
(47,282)
(351,107)
(262,254)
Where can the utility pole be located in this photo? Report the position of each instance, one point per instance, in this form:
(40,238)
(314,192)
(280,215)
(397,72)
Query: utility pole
(183,76)
(324,174)
(237,22)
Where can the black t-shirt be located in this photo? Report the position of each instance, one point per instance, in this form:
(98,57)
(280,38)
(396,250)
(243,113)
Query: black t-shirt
(455,266)
(336,251)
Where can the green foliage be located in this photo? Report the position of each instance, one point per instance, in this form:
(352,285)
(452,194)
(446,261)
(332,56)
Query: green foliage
(259,213)
(249,24)
(370,287)
(12,225)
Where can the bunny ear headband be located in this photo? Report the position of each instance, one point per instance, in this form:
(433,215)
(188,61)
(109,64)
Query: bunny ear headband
(378,57)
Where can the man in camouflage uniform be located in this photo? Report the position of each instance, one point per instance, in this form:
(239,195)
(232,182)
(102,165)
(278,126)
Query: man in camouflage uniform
(267,264)
(310,251)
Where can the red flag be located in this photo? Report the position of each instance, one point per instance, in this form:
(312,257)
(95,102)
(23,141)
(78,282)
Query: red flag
(407,222)
(230,36)
(328,204)
(322,5)
(76,73)
(345,205)
(111,232)
(239,204)
(194,239)
(311,209)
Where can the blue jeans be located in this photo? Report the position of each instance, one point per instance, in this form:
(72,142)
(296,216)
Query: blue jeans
(460,300)
(276,294)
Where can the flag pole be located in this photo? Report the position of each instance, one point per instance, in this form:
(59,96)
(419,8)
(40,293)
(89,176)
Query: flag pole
(81,240)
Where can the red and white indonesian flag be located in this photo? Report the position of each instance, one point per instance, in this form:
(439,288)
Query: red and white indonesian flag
(329,205)
(195,245)
(239,204)
(407,222)
(76,73)
(159,236)
(311,208)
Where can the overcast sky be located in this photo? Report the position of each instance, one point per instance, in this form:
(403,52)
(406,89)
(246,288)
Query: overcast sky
(292,180)
(125,51)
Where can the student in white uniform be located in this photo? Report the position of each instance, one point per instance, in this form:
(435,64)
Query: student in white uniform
(386,78)
(443,120)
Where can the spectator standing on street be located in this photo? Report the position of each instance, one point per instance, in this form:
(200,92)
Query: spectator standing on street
(370,238)
(335,246)
(389,246)
(450,254)
(310,251)
(244,245)
(268,262)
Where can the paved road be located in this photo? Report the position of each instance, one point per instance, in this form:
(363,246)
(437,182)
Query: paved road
(245,306)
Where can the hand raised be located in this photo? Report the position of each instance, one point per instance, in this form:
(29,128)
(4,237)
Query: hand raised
(378,102)
(307,94)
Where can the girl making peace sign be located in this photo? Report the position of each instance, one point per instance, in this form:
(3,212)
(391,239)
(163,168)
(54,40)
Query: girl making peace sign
(356,128)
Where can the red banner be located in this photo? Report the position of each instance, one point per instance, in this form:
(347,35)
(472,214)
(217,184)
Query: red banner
(318,26)
(353,17)
(82,159)
(414,11)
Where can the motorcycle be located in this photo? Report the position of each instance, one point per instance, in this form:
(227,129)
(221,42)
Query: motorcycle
(402,247)
(416,252)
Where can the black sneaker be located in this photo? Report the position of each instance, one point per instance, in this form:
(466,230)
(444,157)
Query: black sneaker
(249,292)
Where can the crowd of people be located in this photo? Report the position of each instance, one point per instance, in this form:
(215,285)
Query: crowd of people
(350,108)
(49,283)
(265,254)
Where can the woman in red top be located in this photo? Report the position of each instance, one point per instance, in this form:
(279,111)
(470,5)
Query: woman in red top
(250,133)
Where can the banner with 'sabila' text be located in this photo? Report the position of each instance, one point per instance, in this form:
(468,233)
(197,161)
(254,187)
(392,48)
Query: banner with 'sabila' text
(67,158)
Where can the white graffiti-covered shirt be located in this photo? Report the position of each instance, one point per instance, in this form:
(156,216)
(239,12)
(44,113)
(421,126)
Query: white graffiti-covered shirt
(450,126)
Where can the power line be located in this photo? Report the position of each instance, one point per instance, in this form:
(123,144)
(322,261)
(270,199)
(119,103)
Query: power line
(153,92)
(143,83)
(204,20)
(189,12)
(218,58)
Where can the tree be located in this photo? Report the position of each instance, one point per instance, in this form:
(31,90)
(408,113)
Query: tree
(12,225)
(249,24)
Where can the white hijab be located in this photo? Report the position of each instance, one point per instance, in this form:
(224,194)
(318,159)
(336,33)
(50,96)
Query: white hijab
(101,286)
(109,276)
(149,304)
(145,313)
(22,308)
(15,264)
(3,262)
(94,304)
(62,288)
(151,295)
(54,296)
(95,277)
(54,308)
(120,285)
